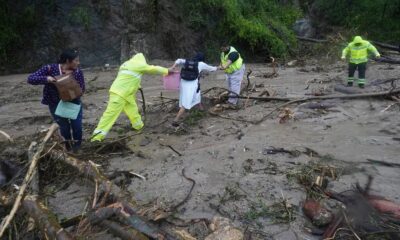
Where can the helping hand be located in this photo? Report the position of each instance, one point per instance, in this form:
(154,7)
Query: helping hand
(171,70)
(51,79)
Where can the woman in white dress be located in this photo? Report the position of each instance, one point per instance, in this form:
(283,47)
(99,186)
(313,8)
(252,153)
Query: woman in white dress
(189,88)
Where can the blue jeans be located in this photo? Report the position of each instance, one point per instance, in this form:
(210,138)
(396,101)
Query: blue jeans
(66,125)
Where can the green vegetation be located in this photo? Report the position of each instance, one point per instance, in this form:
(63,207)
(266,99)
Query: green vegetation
(194,117)
(14,22)
(377,20)
(279,212)
(254,25)
(80,16)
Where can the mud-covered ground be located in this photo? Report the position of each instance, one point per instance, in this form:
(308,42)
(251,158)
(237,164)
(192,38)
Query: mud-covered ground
(235,176)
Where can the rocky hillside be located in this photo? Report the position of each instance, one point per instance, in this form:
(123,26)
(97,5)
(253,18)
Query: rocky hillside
(104,31)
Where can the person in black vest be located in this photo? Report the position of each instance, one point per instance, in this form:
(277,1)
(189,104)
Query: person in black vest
(189,88)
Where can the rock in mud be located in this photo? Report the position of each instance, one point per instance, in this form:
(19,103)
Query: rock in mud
(347,90)
(223,230)
(319,215)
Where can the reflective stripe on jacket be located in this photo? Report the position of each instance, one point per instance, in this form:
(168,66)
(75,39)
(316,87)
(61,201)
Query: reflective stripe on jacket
(236,65)
(130,75)
(359,53)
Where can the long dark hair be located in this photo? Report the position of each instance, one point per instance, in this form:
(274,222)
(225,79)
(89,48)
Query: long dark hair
(68,55)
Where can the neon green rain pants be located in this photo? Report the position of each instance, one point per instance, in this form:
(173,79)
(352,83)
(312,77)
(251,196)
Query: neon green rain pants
(116,105)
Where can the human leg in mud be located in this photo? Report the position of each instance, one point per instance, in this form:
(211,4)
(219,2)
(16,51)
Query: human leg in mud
(72,142)
(116,105)
(189,96)
(362,68)
(352,70)
(234,84)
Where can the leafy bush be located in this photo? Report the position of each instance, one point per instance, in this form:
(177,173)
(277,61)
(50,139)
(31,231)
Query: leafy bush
(80,16)
(377,19)
(14,21)
(255,25)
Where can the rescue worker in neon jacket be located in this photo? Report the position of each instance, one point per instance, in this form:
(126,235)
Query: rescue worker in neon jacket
(232,64)
(357,51)
(123,95)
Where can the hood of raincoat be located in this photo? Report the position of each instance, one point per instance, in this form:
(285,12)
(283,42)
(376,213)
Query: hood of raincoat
(358,39)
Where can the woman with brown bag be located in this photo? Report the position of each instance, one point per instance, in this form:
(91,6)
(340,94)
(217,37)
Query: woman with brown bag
(47,76)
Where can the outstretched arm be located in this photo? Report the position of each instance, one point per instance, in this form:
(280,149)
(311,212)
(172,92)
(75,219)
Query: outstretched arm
(206,67)
(225,66)
(373,49)
(41,76)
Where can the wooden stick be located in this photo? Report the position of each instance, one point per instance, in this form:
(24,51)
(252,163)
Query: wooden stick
(7,136)
(361,95)
(6,221)
(128,210)
(312,39)
(45,219)
(385,45)
(86,169)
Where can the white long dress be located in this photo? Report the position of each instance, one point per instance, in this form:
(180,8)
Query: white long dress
(188,94)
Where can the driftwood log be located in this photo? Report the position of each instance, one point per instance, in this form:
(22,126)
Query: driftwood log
(121,207)
(388,60)
(352,96)
(387,46)
(28,177)
(45,219)
(312,39)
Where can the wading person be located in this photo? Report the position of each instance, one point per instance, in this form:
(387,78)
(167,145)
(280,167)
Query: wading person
(123,95)
(46,75)
(357,52)
(232,64)
(189,88)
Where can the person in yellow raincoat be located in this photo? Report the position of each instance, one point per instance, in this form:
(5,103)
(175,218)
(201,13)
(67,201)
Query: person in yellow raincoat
(357,52)
(123,95)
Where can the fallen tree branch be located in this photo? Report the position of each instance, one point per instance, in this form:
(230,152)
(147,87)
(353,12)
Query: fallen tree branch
(128,211)
(45,219)
(382,163)
(143,104)
(100,216)
(387,60)
(28,177)
(170,147)
(312,39)
(387,46)
(291,101)
(6,136)
(173,208)
(86,169)
(378,82)
(235,95)
(361,95)
(126,233)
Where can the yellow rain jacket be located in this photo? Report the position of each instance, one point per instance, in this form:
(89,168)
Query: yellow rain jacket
(358,50)
(235,65)
(130,75)
(123,95)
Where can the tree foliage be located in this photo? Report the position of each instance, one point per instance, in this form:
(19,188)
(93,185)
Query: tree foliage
(15,23)
(379,20)
(256,25)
